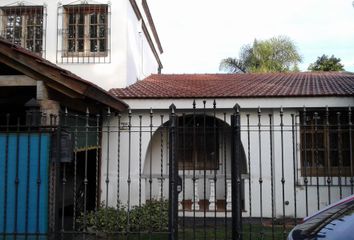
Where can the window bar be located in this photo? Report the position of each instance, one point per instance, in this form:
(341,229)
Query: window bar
(140,152)
(17,174)
(150,168)
(271,131)
(204,170)
(294,165)
(44,37)
(98,136)
(129,168)
(350,149)
(329,167)
(315,116)
(75,171)
(194,167)
(249,174)
(260,173)
(85,168)
(96,10)
(108,35)
(305,161)
(161,170)
(118,168)
(6,172)
(39,180)
(215,160)
(29,117)
(340,157)
(65,34)
(63,181)
(184,175)
(225,173)
(99,11)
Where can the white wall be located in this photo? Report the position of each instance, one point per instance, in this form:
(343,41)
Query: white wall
(126,52)
(141,61)
(279,161)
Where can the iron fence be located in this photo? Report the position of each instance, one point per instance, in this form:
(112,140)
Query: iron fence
(194,173)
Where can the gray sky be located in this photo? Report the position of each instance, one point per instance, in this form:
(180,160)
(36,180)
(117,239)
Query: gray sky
(197,34)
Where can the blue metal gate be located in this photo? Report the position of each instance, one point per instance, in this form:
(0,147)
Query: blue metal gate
(24,159)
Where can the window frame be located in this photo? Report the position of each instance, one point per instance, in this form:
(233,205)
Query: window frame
(194,140)
(24,12)
(332,130)
(86,9)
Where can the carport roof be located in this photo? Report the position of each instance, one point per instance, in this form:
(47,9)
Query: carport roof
(55,77)
(305,84)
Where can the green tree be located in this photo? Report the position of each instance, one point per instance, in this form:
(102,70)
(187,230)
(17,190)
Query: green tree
(325,63)
(277,54)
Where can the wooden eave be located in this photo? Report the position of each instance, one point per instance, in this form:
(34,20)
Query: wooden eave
(55,77)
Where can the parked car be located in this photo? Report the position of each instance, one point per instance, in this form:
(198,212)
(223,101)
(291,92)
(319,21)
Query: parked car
(335,222)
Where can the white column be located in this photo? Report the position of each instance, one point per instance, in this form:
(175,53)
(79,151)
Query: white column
(212,197)
(195,204)
(180,199)
(229,195)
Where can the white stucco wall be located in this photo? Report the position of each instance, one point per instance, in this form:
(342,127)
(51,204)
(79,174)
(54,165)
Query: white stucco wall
(126,51)
(252,177)
(140,59)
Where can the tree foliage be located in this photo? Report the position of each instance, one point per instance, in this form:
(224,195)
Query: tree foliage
(277,54)
(325,63)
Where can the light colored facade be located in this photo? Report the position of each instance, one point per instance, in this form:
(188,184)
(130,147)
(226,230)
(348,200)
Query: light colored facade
(266,152)
(267,106)
(118,48)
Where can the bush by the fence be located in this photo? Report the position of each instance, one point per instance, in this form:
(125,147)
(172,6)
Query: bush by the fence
(151,216)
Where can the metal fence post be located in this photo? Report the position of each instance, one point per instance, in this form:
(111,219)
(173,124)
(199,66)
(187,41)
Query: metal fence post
(173,177)
(236,174)
(57,166)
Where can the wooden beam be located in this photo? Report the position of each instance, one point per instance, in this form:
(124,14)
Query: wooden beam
(16,80)
(25,69)
(55,77)
(40,68)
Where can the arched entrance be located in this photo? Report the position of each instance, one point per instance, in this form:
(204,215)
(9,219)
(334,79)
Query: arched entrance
(203,154)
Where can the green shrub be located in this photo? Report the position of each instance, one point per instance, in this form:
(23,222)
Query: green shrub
(151,216)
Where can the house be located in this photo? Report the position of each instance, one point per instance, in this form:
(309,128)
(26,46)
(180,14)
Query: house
(56,60)
(109,43)
(296,132)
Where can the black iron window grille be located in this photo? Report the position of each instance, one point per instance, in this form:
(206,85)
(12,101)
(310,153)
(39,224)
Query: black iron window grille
(24,26)
(325,145)
(84,34)
(198,143)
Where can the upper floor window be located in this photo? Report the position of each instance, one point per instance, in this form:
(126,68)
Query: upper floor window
(326,143)
(85,33)
(24,26)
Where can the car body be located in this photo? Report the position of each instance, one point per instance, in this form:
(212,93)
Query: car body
(335,222)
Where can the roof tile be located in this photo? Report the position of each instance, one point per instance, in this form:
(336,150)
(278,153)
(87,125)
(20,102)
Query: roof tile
(240,85)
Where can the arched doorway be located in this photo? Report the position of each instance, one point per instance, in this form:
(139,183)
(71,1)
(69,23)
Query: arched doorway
(204,163)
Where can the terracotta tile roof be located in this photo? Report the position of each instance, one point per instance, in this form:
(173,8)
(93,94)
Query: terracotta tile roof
(240,85)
